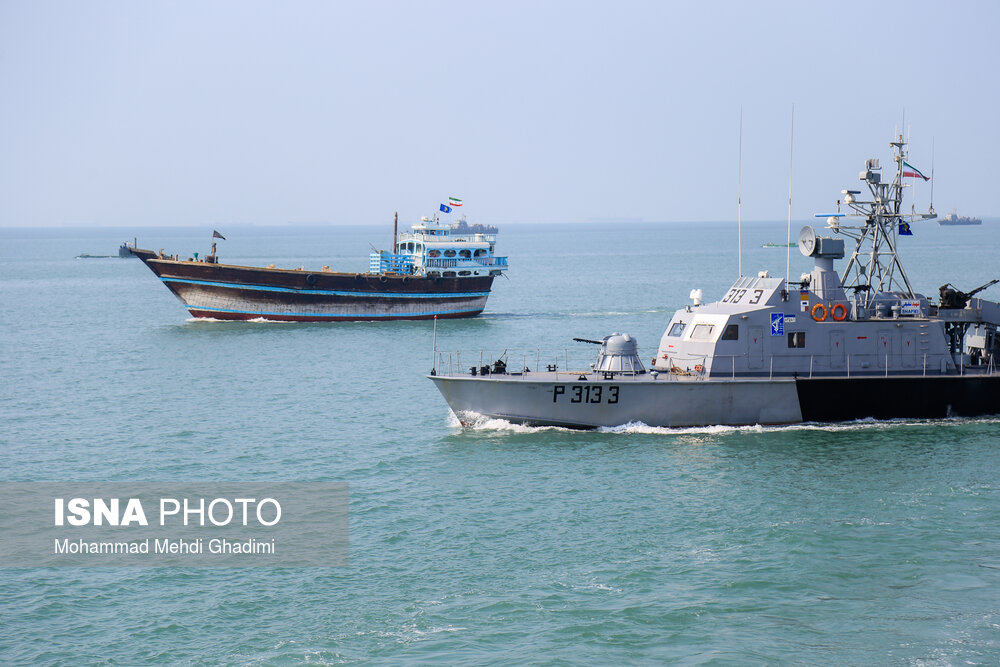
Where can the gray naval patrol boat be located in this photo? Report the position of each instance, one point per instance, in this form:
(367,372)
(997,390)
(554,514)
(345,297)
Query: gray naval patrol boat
(830,347)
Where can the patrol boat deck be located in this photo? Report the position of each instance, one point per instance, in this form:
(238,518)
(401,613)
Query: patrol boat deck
(828,347)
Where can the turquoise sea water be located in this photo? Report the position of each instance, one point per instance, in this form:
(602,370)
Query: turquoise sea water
(857,543)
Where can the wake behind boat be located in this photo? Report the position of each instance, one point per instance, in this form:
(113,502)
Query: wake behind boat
(431,272)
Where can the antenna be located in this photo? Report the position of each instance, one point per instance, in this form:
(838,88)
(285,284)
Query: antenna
(739,202)
(930,209)
(788,240)
(434,348)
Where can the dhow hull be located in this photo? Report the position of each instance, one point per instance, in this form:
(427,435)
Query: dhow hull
(229,292)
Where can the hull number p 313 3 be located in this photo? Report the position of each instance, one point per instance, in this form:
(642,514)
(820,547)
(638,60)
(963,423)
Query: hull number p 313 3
(586,393)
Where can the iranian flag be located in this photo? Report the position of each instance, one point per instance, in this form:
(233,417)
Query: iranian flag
(909,171)
(454,201)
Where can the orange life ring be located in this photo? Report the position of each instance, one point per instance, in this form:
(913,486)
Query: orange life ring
(843,312)
(699,368)
(817,308)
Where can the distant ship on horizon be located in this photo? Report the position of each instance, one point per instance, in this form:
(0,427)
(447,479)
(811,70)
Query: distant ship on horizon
(463,227)
(955,219)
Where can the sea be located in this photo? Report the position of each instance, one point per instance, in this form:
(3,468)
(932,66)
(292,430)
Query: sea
(859,543)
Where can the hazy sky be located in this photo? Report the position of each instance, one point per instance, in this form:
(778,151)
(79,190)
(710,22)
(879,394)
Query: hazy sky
(190,113)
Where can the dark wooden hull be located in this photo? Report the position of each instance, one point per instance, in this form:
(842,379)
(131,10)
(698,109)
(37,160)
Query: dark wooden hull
(228,292)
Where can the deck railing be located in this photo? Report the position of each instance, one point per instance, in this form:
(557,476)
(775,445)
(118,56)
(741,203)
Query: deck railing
(522,364)
(449,263)
(387,262)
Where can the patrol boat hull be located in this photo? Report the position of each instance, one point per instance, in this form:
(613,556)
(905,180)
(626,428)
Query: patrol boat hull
(227,292)
(593,403)
(572,403)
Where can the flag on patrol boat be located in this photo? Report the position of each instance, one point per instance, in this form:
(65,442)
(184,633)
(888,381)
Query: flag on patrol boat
(217,235)
(904,229)
(454,201)
(445,208)
(912,172)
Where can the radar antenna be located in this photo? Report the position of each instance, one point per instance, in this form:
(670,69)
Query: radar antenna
(874,265)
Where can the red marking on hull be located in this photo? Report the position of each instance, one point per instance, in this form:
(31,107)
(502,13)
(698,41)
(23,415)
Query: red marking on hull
(321,318)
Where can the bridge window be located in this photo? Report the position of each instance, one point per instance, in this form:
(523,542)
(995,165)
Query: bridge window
(731,332)
(677,330)
(796,339)
(702,332)
(465,253)
(433,253)
(481,253)
(449,253)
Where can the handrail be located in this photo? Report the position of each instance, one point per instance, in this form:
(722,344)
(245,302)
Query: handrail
(567,368)
(461,237)
(447,263)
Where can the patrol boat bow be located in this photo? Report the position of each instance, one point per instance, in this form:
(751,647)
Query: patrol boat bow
(831,349)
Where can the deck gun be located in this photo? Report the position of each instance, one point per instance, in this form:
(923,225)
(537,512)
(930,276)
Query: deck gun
(955,298)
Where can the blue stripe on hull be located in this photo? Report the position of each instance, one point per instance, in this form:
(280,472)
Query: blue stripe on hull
(290,290)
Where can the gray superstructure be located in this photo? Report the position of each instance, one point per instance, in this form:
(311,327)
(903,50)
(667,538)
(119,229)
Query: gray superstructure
(830,346)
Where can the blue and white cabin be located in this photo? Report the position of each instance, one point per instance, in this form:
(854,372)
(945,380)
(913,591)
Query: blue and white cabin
(433,250)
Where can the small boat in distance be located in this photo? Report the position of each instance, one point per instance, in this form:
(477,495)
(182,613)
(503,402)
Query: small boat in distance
(124,252)
(953,219)
(430,272)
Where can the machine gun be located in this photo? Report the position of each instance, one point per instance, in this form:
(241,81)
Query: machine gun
(955,298)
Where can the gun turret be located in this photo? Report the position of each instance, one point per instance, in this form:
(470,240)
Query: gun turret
(955,298)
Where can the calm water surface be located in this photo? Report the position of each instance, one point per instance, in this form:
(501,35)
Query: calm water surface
(858,543)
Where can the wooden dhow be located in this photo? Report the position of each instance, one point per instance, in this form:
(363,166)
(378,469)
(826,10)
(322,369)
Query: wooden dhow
(431,272)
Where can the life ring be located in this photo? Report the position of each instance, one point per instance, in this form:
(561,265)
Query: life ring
(699,368)
(406,279)
(842,309)
(311,279)
(383,279)
(358,277)
(819,308)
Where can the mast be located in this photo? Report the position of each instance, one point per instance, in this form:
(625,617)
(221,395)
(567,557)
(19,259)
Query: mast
(930,209)
(874,266)
(739,202)
(395,232)
(788,239)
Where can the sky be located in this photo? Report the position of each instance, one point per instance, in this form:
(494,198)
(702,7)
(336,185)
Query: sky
(270,113)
